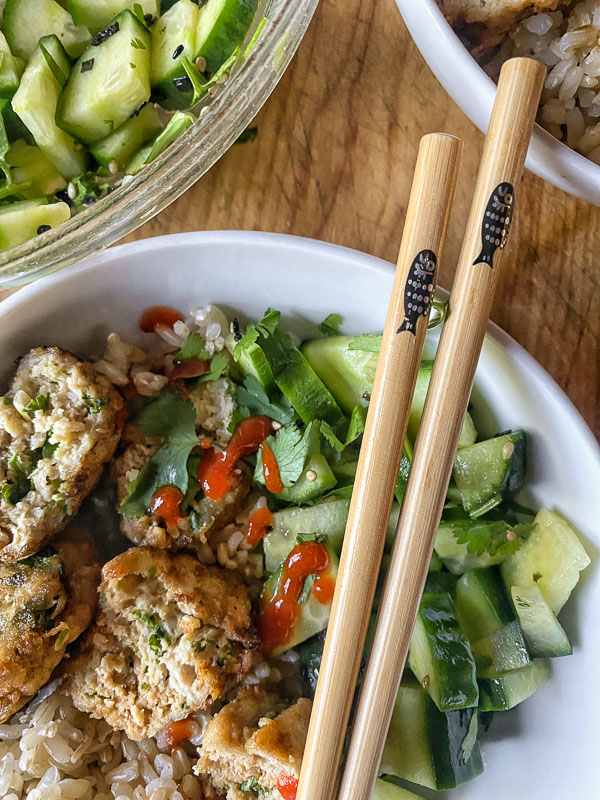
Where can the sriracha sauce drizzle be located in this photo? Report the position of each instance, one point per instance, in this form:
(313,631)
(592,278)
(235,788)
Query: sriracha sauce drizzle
(258,524)
(216,469)
(157,317)
(270,470)
(287,786)
(279,613)
(180,731)
(165,503)
(191,368)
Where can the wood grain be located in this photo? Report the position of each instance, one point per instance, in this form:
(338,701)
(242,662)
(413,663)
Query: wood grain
(333,158)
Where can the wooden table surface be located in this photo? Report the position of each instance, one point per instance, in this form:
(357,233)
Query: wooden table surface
(333,160)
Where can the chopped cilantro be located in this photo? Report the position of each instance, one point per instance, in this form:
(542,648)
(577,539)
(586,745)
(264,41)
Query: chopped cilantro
(224,658)
(159,638)
(218,366)
(41,403)
(193,347)
(331,325)
(487,536)
(291,448)
(309,582)
(174,419)
(41,560)
(94,403)
(252,400)
(199,646)
(252,785)
(302,538)
(137,44)
(355,429)
(266,327)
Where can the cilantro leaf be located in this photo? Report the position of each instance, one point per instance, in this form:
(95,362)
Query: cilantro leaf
(355,429)
(94,403)
(41,403)
(331,325)
(159,638)
(266,327)
(218,366)
(309,582)
(488,536)
(193,347)
(291,448)
(368,342)
(252,785)
(302,538)
(174,420)
(252,400)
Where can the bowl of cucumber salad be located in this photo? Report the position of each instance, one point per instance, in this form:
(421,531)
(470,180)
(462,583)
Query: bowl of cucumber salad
(500,693)
(110,109)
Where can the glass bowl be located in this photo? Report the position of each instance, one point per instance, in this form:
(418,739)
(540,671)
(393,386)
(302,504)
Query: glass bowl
(221,119)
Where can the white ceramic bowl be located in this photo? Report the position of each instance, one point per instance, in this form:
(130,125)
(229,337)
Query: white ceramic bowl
(545,749)
(470,87)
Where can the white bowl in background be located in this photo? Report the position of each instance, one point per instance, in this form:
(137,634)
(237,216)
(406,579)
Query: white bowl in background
(474,91)
(544,750)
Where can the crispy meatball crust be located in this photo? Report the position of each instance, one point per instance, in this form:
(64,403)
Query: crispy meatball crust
(59,425)
(172,636)
(46,602)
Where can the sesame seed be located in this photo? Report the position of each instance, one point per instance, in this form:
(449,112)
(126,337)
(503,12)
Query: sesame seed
(508,450)
(511,536)
(223,78)
(237,471)
(276,425)
(113,167)
(201,63)
(212,91)
(426,682)
(178,51)
(311,475)
(71,191)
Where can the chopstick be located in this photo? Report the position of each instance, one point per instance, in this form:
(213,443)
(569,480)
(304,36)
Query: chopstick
(477,275)
(379,460)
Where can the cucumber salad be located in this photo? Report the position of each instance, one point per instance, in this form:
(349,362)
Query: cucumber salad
(93,90)
(501,572)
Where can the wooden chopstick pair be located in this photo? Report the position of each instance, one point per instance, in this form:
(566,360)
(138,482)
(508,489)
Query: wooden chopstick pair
(460,344)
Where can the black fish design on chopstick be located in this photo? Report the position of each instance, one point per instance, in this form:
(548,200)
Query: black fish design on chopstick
(419,289)
(496,223)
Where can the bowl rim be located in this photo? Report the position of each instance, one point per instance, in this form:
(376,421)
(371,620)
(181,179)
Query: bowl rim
(219,122)
(456,69)
(281,241)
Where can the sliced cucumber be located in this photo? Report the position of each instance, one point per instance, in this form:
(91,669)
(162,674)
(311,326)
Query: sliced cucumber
(126,140)
(506,692)
(429,747)
(252,361)
(305,490)
(314,615)
(178,123)
(20,222)
(482,605)
(32,166)
(487,472)
(11,69)
(468,432)
(440,582)
(456,555)
(27,21)
(502,651)
(543,633)
(551,558)
(384,790)
(35,104)
(173,38)
(222,27)
(96,14)
(15,129)
(440,656)
(109,82)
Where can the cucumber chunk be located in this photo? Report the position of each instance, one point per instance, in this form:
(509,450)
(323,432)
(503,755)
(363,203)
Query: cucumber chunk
(314,615)
(487,472)
(109,82)
(551,558)
(11,69)
(27,21)
(506,692)
(502,651)
(440,656)
(20,222)
(173,38)
(482,605)
(13,126)
(440,583)
(427,746)
(384,790)
(305,490)
(178,123)
(543,633)
(222,27)
(96,14)
(127,139)
(30,165)
(35,104)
